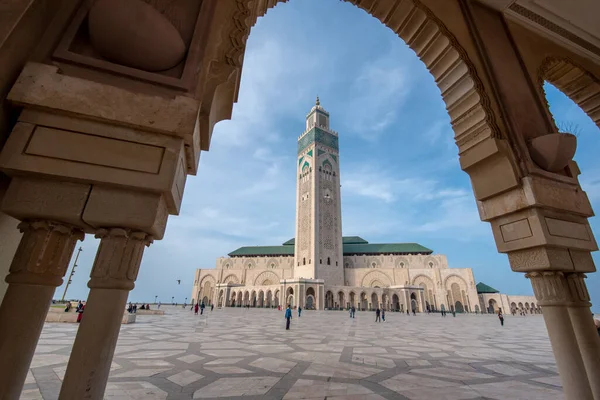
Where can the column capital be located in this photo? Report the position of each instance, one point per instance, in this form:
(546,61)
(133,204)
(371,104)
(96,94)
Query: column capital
(118,259)
(557,288)
(44,252)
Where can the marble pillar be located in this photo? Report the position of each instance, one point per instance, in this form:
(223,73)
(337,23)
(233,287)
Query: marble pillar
(37,269)
(113,275)
(553,292)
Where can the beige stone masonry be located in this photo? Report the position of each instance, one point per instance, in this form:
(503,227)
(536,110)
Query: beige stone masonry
(41,86)
(108,207)
(35,198)
(61,147)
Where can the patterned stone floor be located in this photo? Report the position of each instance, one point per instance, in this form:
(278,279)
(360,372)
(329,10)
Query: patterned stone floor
(233,353)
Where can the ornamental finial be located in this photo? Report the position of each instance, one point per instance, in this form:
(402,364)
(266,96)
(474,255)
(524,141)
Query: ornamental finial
(318,102)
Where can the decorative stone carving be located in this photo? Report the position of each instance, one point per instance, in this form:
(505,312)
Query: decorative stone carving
(376,276)
(266,278)
(44,252)
(134,34)
(118,258)
(231,278)
(550,287)
(578,289)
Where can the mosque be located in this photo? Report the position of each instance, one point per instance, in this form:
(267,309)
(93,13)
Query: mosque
(321,269)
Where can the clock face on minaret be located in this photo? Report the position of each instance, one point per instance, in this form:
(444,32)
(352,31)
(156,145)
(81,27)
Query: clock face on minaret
(318,245)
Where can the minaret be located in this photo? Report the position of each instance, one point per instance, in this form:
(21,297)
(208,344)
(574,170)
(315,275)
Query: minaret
(318,248)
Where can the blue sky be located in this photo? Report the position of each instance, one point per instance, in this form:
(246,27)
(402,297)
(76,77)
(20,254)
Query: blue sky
(401,180)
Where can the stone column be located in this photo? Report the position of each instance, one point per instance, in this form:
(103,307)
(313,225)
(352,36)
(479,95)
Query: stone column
(36,271)
(553,292)
(113,275)
(585,331)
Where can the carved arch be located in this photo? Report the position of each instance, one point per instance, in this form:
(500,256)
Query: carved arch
(376,276)
(231,278)
(207,278)
(463,92)
(574,81)
(453,278)
(423,278)
(267,276)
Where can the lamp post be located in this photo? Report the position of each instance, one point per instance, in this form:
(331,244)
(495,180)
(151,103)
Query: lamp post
(155,297)
(71,274)
(172,300)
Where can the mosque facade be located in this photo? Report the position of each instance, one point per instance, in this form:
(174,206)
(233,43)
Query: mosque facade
(321,269)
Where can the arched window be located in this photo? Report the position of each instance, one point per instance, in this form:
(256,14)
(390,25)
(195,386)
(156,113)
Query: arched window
(328,261)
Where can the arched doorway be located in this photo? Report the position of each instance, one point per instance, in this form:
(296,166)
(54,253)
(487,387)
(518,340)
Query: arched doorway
(329,300)
(341,300)
(310,302)
(492,306)
(269,303)
(476,309)
(310,292)
(374,301)
(352,299)
(458,307)
(206,301)
(261,299)
(253,299)
(364,303)
(289,295)
(395,302)
(414,303)
(276,299)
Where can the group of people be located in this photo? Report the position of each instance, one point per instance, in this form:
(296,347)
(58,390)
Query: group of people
(132,308)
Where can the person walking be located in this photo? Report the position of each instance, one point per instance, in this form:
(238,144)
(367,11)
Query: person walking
(212,307)
(202,308)
(196,307)
(501,318)
(383,315)
(353,311)
(158,305)
(299,311)
(378,315)
(288,317)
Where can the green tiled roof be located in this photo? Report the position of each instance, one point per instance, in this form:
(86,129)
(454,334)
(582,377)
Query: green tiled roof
(345,240)
(483,288)
(352,245)
(263,251)
(385,248)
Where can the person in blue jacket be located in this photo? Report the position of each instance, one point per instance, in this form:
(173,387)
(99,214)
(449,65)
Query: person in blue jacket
(288,317)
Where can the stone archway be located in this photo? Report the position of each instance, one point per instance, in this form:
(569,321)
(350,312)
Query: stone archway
(574,81)
(461,88)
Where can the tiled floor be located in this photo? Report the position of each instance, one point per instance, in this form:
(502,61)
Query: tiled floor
(232,353)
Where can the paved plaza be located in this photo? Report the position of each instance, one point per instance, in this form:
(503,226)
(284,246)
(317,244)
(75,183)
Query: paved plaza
(233,353)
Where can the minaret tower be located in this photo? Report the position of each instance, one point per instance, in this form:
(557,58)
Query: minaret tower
(318,247)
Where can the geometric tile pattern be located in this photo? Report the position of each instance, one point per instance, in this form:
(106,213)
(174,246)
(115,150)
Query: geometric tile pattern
(231,353)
